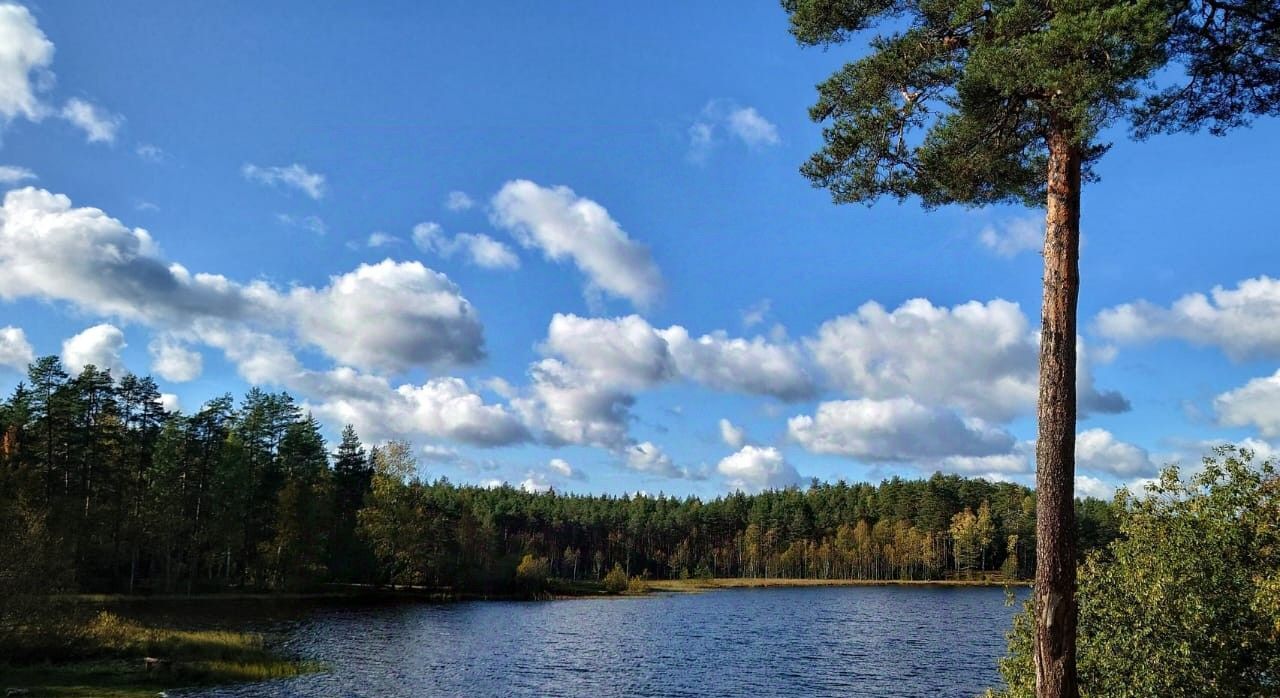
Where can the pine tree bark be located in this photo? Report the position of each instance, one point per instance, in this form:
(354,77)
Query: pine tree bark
(1055,586)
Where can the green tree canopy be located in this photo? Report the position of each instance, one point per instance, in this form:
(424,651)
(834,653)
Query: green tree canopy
(1187,602)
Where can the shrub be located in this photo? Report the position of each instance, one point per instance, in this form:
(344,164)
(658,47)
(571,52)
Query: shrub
(616,581)
(1185,603)
(637,585)
(532,572)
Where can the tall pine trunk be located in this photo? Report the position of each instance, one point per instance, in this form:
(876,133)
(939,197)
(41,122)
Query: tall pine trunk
(1055,599)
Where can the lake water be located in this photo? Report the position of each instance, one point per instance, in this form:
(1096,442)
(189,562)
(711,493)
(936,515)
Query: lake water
(826,641)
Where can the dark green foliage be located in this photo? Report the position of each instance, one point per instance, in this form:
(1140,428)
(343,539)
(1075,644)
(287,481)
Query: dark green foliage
(101,490)
(957,99)
(1187,601)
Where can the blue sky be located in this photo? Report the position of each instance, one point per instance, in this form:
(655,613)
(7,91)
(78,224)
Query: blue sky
(639,260)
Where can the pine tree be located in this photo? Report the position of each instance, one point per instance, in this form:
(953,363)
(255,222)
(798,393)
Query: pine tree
(975,103)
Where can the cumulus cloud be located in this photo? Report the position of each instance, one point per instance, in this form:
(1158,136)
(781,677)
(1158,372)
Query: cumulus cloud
(754,366)
(744,124)
(98,124)
(1244,321)
(173,361)
(98,346)
(15,350)
(479,249)
(1087,486)
(629,352)
(1014,236)
(458,201)
(1256,403)
(894,430)
(566,406)
(170,402)
(649,459)
(440,408)
(12,174)
(561,467)
(754,468)
(294,176)
(978,358)
(565,226)
(535,483)
(1099,451)
(625,351)
(390,315)
(25,57)
(733,436)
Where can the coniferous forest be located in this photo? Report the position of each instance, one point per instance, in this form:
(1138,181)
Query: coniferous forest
(112,493)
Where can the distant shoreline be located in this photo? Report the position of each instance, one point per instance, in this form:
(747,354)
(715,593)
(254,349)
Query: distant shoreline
(559,589)
(693,585)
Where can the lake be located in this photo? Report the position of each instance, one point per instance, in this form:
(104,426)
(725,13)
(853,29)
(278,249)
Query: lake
(823,641)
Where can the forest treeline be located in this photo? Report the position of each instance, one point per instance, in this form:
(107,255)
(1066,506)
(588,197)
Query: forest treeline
(103,490)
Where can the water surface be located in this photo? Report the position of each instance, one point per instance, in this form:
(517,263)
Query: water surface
(825,641)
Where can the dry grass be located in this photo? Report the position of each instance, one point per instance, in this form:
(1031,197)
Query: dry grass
(103,657)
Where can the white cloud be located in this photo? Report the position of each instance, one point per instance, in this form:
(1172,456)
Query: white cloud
(1087,486)
(561,467)
(754,366)
(390,315)
(745,124)
(313,224)
(566,406)
(892,430)
(387,315)
(1244,321)
(173,361)
(1256,403)
(25,57)
(1014,236)
(757,313)
(535,483)
(629,352)
(295,176)
(649,459)
(150,153)
(458,201)
(733,436)
(625,351)
(99,346)
(440,408)
(98,124)
(381,239)
(12,174)
(754,468)
(170,402)
(1098,450)
(979,358)
(567,226)
(479,249)
(15,350)
(753,129)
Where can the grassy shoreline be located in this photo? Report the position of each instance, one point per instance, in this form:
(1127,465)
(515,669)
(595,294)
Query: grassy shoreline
(104,656)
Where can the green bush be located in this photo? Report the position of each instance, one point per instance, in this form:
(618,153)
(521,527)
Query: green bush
(616,581)
(637,585)
(1187,602)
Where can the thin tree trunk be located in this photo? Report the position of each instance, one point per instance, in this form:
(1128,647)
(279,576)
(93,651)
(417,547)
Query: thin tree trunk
(1055,602)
